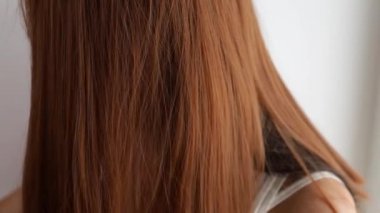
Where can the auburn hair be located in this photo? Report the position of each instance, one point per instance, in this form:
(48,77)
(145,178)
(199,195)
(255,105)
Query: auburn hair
(154,106)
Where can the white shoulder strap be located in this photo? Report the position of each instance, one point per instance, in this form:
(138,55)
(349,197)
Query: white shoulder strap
(299,184)
(270,187)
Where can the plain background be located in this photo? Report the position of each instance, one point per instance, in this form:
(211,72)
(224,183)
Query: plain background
(326,51)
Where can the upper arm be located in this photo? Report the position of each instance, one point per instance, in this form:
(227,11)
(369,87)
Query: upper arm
(12,203)
(325,195)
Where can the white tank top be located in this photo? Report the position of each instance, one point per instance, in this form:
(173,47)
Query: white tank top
(270,194)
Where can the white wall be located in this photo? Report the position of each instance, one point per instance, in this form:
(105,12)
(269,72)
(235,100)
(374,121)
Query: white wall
(373,169)
(326,51)
(14,94)
(373,166)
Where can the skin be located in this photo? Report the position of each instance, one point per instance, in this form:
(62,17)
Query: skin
(12,202)
(309,199)
(312,199)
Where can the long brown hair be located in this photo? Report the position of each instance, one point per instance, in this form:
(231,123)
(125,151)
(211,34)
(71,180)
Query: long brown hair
(154,106)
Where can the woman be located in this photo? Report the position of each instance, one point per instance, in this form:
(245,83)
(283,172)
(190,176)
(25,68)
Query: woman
(168,106)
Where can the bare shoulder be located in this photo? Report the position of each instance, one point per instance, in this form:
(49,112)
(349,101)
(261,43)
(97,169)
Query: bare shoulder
(12,203)
(310,199)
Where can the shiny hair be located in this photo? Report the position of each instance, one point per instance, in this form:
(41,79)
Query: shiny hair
(154,106)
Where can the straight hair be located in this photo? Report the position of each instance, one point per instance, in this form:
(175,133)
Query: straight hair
(155,106)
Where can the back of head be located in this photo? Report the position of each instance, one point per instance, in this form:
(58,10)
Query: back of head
(154,106)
